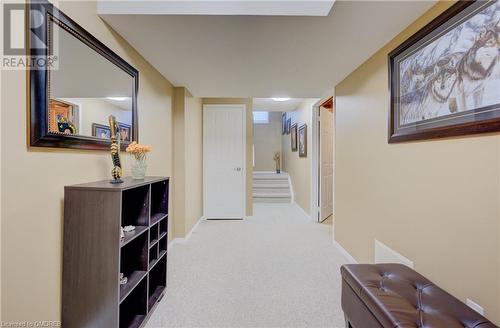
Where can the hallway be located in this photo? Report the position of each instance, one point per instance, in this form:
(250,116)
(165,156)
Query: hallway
(274,269)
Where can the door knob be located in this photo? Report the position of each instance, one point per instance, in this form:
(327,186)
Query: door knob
(238,169)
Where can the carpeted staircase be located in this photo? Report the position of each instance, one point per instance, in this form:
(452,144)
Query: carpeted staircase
(271,188)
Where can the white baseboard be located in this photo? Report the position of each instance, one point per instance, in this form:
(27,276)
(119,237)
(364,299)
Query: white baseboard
(181,240)
(349,258)
(302,210)
(290,185)
(385,254)
(173,242)
(188,235)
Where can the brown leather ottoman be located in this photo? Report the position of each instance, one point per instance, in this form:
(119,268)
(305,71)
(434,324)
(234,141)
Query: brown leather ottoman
(393,295)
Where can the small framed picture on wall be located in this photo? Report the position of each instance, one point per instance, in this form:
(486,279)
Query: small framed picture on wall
(283,123)
(302,137)
(293,137)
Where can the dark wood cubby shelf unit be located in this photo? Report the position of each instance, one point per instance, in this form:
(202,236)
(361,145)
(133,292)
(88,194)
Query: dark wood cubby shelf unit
(94,255)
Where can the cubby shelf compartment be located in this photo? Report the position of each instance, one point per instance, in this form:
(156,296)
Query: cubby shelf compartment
(159,201)
(153,255)
(153,235)
(155,218)
(163,228)
(157,281)
(133,280)
(163,244)
(129,236)
(135,206)
(94,255)
(155,262)
(133,310)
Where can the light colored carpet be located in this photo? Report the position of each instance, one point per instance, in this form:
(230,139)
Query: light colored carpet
(274,269)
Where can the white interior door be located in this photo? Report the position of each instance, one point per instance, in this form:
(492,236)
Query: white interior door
(326,163)
(224,161)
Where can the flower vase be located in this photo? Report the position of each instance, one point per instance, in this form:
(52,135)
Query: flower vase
(139,167)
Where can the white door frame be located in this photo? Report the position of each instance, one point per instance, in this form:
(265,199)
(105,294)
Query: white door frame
(244,165)
(315,172)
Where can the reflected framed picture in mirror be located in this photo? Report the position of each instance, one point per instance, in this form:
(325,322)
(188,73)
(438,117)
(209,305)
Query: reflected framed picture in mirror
(82,83)
(101,131)
(125,132)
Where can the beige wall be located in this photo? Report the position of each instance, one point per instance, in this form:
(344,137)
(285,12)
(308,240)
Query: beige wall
(33,181)
(249,140)
(436,202)
(299,168)
(267,141)
(188,161)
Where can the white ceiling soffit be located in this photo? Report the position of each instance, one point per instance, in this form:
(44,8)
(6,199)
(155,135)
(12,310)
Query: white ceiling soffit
(266,56)
(270,105)
(224,7)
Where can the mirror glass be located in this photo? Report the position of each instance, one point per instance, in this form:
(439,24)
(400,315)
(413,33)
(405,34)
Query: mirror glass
(85,88)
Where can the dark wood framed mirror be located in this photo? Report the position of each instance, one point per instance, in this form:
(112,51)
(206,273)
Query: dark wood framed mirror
(74,83)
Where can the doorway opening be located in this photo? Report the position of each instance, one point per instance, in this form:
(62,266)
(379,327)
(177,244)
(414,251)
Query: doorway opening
(323,143)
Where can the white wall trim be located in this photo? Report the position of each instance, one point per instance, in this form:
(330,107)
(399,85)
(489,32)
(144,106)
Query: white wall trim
(182,240)
(290,184)
(349,258)
(385,254)
(302,210)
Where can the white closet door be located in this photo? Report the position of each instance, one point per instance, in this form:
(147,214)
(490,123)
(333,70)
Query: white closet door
(224,161)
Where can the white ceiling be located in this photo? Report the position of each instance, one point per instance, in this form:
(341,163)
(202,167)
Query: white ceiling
(225,7)
(266,56)
(269,105)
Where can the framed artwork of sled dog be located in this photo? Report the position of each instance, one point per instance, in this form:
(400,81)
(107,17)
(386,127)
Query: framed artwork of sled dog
(445,80)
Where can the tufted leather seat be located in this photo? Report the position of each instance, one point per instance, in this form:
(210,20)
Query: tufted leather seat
(393,295)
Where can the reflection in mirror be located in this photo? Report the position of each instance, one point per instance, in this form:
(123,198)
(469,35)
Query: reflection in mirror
(85,88)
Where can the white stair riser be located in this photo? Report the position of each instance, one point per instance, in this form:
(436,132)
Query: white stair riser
(271,194)
(270,177)
(271,190)
(272,200)
(266,182)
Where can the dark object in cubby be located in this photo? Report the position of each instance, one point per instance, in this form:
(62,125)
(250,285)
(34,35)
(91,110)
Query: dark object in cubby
(94,255)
